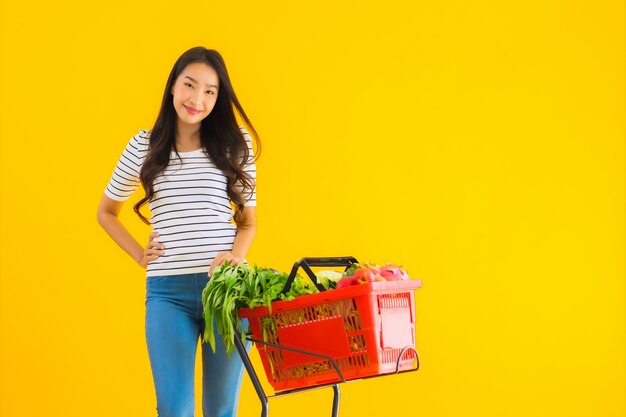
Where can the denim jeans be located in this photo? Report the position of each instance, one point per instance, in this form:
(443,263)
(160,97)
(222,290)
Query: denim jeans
(174,325)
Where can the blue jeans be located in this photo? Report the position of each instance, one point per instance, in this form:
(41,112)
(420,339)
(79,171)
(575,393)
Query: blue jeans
(174,324)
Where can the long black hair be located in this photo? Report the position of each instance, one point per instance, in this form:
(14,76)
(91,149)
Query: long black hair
(220,135)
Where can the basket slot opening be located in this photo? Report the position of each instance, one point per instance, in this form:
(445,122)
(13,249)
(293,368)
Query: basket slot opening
(350,314)
(398,300)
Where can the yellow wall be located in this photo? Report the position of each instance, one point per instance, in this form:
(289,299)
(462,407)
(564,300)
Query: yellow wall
(480,144)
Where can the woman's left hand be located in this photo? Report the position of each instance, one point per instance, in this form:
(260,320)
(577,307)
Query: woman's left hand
(223,257)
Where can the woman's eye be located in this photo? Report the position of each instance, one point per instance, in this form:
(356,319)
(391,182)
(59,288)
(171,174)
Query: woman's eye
(210,92)
(187,84)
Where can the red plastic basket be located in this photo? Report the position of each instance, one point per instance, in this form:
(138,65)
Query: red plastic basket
(364,328)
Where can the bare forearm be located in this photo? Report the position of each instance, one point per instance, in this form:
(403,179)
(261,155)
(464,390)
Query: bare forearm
(120,235)
(243,241)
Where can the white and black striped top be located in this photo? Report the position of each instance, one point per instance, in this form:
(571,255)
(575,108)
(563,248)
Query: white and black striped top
(190,209)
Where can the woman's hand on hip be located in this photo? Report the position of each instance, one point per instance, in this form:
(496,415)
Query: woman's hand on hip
(153,250)
(223,257)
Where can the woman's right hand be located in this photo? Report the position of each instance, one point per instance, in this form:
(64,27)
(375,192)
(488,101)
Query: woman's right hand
(153,250)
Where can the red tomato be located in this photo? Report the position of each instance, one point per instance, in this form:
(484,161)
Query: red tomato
(364,275)
(346,282)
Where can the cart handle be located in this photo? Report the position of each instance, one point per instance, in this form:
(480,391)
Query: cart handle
(306,264)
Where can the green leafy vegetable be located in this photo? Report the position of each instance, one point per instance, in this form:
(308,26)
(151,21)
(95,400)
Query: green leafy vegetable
(300,286)
(351,269)
(328,279)
(234,287)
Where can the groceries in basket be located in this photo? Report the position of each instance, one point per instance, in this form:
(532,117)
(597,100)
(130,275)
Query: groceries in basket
(363,274)
(234,287)
(363,329)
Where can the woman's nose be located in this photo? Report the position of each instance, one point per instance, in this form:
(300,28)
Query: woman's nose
(197,100)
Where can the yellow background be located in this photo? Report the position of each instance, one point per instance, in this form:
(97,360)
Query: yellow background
(480,144)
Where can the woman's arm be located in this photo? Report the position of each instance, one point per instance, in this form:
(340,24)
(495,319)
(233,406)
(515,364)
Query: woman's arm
(246,230)
(108,212)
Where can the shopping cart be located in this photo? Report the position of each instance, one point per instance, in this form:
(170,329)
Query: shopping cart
(327,338)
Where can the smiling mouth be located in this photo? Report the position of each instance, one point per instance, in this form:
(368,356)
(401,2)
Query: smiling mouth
(192,111)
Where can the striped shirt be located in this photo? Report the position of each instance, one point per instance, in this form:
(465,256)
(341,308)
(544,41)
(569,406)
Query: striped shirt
(190,208)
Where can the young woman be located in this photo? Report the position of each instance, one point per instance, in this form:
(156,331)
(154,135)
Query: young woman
(195,165)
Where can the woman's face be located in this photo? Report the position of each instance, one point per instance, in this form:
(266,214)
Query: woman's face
(195,93)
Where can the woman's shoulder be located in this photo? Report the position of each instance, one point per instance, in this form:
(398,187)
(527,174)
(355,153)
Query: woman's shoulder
(142,137)
(143,133)
(139,142)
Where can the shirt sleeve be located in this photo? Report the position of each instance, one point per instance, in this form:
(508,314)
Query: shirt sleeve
(125,178)
(250,168)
